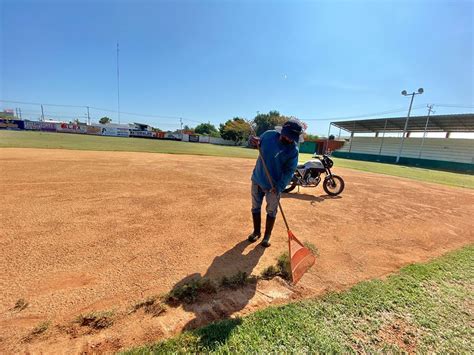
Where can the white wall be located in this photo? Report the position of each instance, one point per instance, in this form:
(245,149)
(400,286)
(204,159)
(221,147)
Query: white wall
(456,150)
(204,139)
(208,139)
(214,140)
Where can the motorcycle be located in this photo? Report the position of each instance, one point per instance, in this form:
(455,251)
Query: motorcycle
(309,175)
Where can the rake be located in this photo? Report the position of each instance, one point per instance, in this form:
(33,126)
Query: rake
(301,258)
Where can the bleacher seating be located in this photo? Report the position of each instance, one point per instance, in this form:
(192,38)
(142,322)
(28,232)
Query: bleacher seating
(443,149)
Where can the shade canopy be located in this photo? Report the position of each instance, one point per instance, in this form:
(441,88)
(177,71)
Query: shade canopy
(436,123)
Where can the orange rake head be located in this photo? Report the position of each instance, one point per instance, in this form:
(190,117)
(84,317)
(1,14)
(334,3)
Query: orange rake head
(301,258)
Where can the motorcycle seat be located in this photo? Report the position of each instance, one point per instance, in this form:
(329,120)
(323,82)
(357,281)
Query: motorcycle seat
(300,166)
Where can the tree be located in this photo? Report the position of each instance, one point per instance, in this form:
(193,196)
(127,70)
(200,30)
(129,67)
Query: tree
(205,128)
(186,128)
(310,137)
(236,129)
(105,120)
(267,121)
(77,122)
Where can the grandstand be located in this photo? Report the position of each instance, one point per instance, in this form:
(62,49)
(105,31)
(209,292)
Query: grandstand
(447,153)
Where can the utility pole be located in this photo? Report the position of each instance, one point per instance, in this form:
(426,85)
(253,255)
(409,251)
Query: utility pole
(16,112)
(181,123)
(19,110)
(42,113)
(88,116)
(430,109)
(118,84)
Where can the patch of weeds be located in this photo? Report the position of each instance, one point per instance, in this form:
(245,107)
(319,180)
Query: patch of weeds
(145,303)
(37,331)
(235,281)
(282,269)
(155,309)
(189,291)
(151,305)
(269,273)
(312,248)
(40,328)
(20,305)
(96,320)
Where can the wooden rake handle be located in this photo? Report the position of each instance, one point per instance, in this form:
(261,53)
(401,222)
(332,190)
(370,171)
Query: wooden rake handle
(260,155)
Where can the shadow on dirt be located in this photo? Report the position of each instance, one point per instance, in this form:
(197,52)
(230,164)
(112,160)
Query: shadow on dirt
(312,198)
(216,296)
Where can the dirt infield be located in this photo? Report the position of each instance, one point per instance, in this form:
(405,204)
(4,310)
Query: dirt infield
(93,231)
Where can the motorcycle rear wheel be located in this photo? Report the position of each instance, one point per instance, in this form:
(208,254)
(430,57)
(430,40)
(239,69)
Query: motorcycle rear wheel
(334,187)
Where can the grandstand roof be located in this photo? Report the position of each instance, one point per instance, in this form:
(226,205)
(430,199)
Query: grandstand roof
(436,123)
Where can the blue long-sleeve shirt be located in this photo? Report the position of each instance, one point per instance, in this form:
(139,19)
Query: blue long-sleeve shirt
(281,160)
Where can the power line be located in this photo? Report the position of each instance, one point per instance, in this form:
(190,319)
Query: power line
(105,110)
(454,105)
(38,103)
(366,115)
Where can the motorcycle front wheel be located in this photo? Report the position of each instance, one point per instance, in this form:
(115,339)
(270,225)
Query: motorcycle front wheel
(334,186)
(291,186)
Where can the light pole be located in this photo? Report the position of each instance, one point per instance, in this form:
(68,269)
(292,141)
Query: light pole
(118,84)
(404,93)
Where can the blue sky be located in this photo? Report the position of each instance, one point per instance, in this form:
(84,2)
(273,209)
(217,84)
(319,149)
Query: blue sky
(213,60)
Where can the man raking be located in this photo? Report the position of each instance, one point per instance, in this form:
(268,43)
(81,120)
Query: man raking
(280,152)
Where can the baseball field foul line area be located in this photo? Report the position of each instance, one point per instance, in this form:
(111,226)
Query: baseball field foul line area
(88,238)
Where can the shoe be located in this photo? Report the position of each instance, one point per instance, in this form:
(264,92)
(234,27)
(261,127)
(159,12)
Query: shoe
(257,221)
(270,222)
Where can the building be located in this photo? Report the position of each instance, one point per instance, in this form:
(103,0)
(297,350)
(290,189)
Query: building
(374,140)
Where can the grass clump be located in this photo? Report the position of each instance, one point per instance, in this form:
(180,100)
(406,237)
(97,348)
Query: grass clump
(281,269)
(284,267)
(269,272)
(20,305)
(312,248)
(235,281)
(151,305)
(189,292)
(41,328)
(96,320)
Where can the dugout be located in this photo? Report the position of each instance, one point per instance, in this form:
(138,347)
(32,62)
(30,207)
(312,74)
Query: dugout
(396,140)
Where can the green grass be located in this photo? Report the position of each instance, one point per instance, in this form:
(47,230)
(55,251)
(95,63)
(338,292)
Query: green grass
(423,308)
(25,139)
(436,176)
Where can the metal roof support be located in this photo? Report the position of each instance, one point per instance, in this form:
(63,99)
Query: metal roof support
(383,137)
(327,140)
(352,137)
